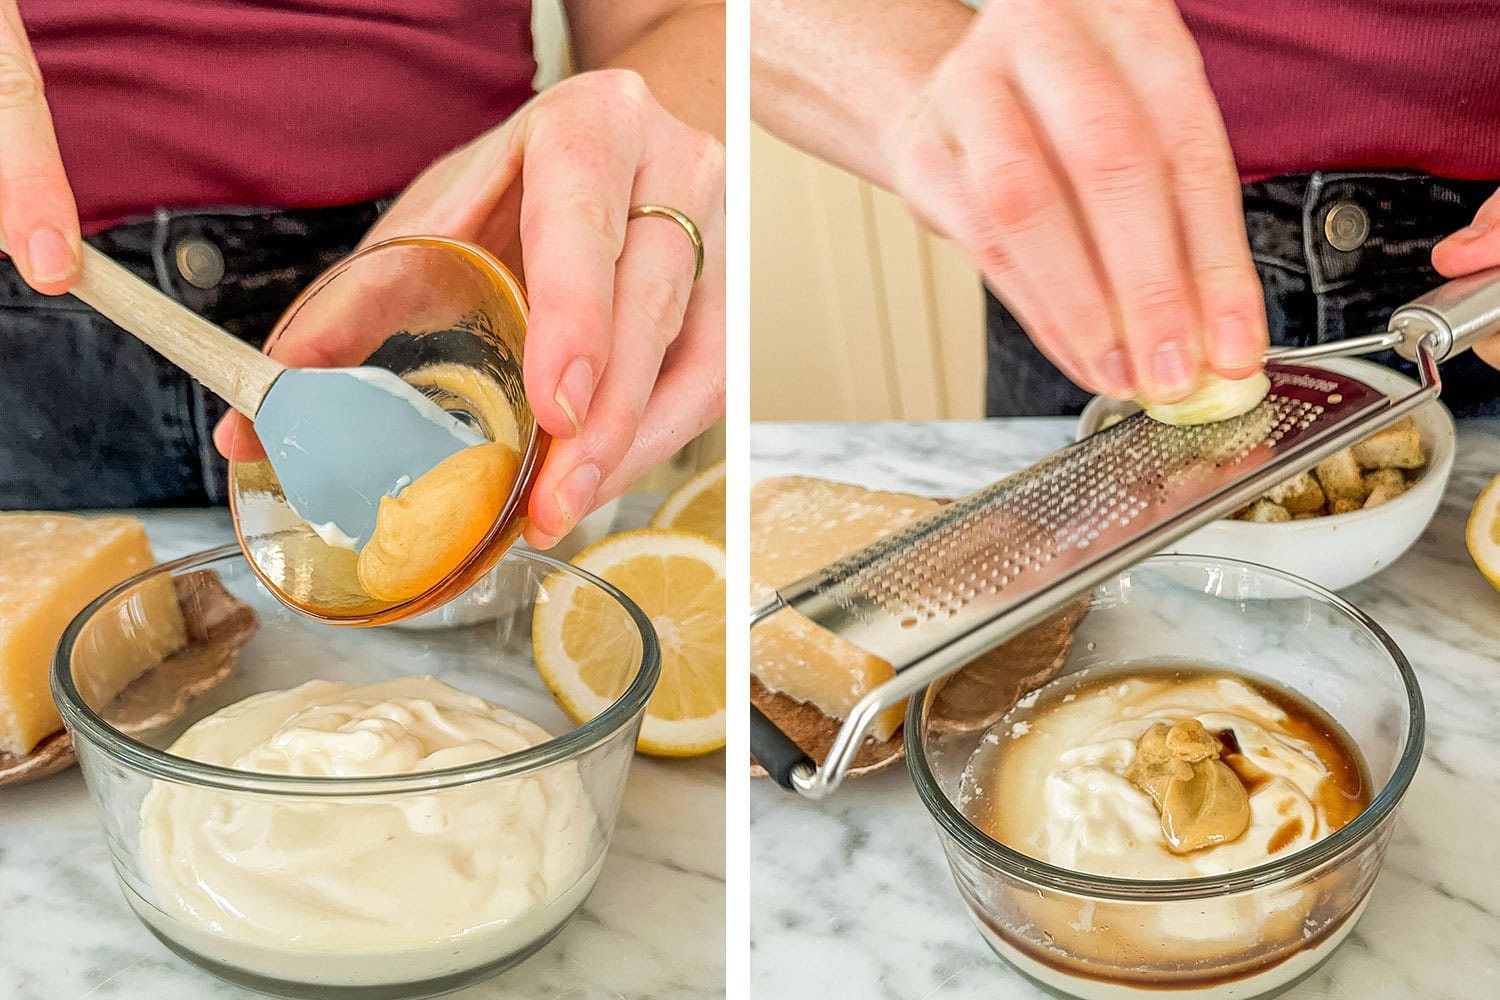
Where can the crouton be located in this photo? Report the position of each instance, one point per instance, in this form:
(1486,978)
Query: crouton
(1299,495)
(1340,477)
(1384,485)
(1375,471)
(1396,447)
(1267,512)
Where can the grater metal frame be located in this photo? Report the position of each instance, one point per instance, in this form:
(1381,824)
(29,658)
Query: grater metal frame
(860,595)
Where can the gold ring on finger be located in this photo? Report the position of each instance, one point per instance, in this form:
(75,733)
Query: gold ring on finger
(688,226)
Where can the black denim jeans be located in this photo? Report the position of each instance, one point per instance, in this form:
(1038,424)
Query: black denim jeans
(90,416)
(1314,291)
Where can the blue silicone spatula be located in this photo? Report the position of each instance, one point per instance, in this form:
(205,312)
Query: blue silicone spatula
(338,438)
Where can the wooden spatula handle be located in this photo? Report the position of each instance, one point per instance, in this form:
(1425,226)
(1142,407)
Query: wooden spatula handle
(226,365)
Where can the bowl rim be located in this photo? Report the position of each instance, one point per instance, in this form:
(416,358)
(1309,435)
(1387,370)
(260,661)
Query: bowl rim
(125,749)
(1014,863)
(1436,472)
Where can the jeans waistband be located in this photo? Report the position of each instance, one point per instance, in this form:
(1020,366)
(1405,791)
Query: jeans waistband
(1401,215)
(221,263)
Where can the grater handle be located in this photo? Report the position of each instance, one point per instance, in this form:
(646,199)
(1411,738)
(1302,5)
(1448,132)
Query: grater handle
(776,752)
(1451,318)
(774,749)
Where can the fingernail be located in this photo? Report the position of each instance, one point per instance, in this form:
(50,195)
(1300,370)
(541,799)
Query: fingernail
(1119,382)
(50,256)
(1169,367)
(1234,344)
(576,492)
(574,389)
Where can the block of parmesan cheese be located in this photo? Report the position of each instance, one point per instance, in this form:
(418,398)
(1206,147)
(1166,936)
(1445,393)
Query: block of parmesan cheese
(798,525)
(51,566)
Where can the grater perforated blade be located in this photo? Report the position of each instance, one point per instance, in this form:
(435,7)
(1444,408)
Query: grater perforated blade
(933,596)
(921,589)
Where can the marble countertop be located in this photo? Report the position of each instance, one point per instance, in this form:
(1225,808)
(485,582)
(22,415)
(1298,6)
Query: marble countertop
(851,897)
(652,928)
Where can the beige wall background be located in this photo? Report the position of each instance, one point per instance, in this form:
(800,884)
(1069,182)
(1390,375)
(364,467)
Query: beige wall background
(549,43)
(857,312)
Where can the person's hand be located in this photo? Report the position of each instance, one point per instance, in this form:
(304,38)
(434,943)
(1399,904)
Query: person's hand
(624,351)
(1474,248)
(1079,157)
(37,213)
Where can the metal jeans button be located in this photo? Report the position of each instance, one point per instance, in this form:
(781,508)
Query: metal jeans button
(1347,226)
(200,263)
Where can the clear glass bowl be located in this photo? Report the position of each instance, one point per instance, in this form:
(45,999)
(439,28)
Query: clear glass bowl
(449,319)
(215,593)
(1248,934)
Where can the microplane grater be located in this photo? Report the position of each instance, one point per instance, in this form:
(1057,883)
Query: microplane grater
(932,596)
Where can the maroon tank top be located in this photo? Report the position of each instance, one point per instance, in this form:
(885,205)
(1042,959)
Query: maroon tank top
(282,103)
(1355,84)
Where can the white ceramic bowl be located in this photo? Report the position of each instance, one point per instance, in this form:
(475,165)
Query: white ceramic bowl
(1339,550)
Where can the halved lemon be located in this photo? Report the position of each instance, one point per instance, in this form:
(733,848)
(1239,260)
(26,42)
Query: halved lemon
(1483,533)
(697,505)
(587,659)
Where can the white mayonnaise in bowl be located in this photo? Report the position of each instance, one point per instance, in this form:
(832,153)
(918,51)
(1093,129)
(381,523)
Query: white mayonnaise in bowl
(1234,935)
(396,813)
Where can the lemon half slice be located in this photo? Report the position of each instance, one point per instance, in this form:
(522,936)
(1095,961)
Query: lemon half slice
(1483,532)
(697,505)
(587,660)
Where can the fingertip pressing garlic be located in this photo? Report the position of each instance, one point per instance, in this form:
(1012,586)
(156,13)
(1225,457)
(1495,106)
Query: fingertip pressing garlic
(422,534)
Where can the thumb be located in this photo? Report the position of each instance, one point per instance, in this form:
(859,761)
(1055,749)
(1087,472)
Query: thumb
(1473,248)
(1489,351)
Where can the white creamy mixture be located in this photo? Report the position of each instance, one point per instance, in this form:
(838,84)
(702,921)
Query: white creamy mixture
(332,535)
(1090,818)
(370,889)
(1049,781)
